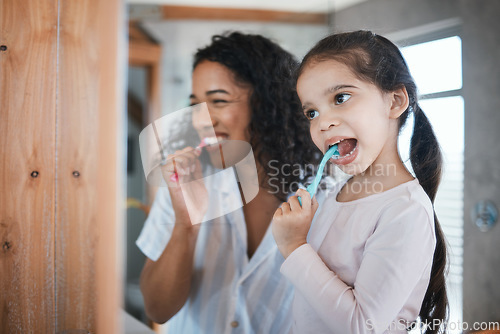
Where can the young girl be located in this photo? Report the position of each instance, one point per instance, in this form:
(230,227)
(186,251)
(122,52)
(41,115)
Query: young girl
(373,260)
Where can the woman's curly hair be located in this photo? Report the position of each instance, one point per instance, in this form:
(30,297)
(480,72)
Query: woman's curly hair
(279,131)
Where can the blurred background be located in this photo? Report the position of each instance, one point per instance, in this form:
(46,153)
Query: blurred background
(452,48)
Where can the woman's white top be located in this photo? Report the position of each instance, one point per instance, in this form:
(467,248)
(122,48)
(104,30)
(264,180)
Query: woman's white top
(367,263)
(229,293)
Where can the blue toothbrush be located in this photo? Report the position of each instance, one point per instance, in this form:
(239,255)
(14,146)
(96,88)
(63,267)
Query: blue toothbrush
(332,152)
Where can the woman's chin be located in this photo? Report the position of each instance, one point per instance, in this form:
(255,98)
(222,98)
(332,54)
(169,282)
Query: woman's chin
(215,159)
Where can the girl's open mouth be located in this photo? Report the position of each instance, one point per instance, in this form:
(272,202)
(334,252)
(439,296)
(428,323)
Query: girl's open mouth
(347,149)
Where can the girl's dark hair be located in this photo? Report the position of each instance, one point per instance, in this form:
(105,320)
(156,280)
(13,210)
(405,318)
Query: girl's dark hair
(279,132)
(375,59)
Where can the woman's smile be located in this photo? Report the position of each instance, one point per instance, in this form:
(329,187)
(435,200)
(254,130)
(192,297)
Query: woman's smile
(228,106)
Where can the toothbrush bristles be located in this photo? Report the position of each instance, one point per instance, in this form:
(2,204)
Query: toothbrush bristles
(208,141)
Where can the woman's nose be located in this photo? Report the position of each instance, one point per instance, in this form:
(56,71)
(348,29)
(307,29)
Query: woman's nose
(204,119)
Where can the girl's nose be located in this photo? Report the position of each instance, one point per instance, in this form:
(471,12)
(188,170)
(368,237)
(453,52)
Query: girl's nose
(328,121)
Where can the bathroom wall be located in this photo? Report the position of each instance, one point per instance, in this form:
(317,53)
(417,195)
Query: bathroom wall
(481,77)
(181,38)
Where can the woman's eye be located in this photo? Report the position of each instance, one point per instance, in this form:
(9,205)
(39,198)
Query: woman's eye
(310,114)
(342,98)
(219,101)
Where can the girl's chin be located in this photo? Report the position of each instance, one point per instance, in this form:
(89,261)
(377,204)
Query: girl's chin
(350,169)
(353,169)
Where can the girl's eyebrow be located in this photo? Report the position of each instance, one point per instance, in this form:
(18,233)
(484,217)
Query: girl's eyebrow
(306,105)
(330,90)
(338,87)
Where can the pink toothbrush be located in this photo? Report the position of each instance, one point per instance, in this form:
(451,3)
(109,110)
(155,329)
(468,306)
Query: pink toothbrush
(204,142)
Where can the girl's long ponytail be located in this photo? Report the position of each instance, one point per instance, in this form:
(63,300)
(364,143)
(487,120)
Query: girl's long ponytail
(425,154)
(426,161)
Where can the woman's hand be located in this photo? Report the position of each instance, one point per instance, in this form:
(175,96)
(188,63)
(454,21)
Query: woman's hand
(291,222)
(184,178)
(166,282)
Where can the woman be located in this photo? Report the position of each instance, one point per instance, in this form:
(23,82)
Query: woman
(224,274)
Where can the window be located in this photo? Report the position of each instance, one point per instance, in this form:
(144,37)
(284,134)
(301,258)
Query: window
(436,66)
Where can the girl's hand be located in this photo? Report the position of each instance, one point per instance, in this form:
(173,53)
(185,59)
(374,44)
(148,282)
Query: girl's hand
(184,178)
(291,222)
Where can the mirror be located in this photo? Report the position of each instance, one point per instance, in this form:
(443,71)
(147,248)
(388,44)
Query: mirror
(179,34)
(162,42)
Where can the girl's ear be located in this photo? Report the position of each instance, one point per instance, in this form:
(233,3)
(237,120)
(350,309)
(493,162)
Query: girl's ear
(399,102)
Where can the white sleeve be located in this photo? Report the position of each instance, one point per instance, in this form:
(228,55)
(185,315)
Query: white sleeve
(158,226)
(395,258)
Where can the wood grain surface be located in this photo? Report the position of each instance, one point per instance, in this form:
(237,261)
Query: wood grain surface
(77,144)
(27,147)
(60,118)
(171,12)
(111,165)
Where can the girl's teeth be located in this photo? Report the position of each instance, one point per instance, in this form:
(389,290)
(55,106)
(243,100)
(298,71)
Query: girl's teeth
(346,155)
(336,143)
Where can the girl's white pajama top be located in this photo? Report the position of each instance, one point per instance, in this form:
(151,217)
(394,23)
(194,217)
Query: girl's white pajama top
(367,263)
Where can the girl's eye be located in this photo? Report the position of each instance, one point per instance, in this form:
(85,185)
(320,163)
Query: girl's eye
(342,98)
(310,114)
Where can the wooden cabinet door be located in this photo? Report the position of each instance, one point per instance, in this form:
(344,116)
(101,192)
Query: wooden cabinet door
(61,114)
